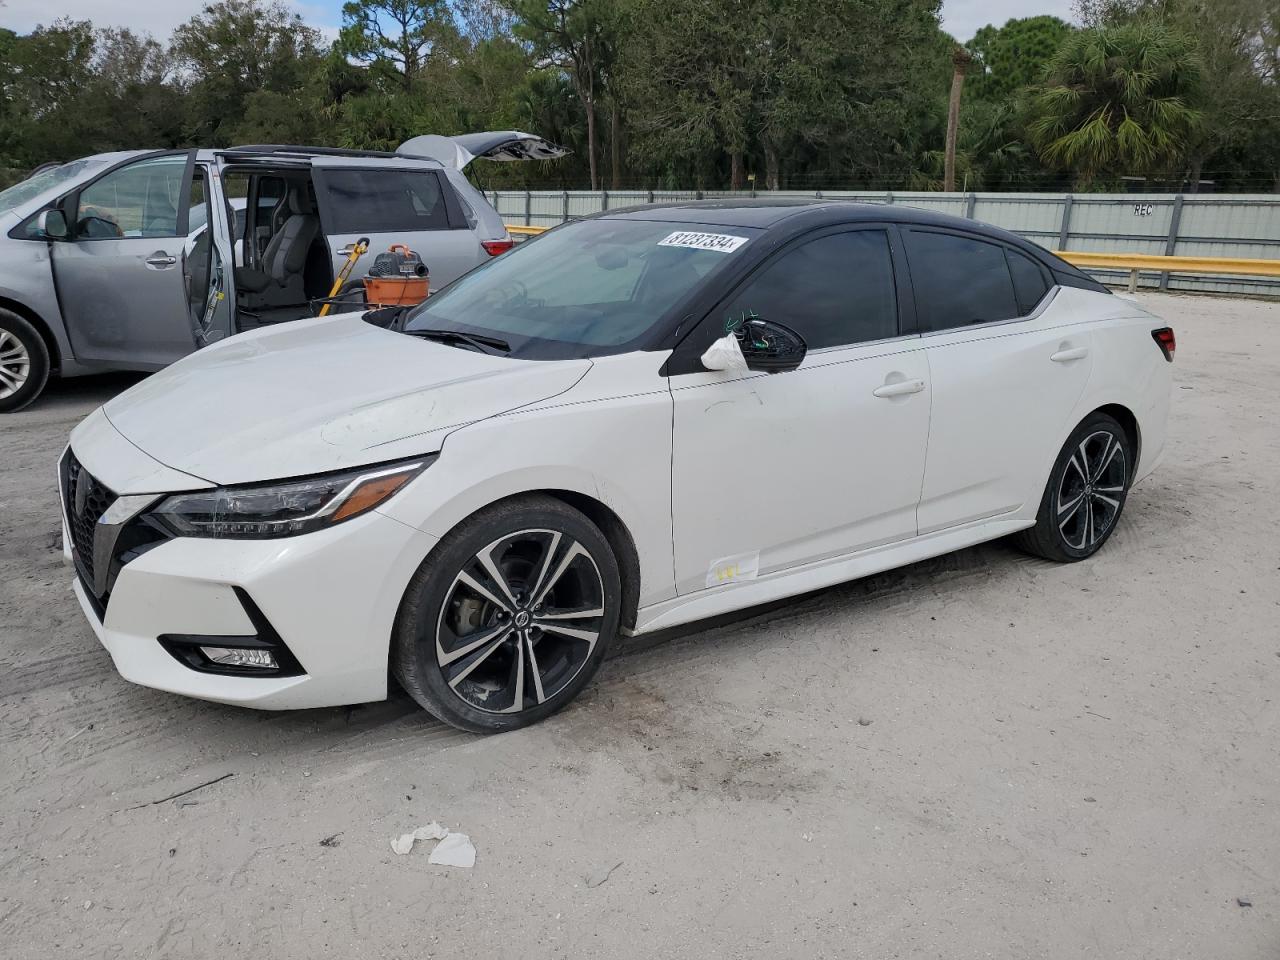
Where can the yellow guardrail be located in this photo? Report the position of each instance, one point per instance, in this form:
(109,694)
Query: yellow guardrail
(1152,263)
(1133,262)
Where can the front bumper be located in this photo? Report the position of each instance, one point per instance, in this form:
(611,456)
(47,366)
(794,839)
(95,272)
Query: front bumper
(331,596)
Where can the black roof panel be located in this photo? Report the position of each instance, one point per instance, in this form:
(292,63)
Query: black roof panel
(766,211)
(801,213)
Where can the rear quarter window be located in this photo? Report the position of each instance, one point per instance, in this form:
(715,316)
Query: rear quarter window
(1029,283)
(384,201)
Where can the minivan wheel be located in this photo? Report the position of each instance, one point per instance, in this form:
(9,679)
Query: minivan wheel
(24,362)
(509,617)
(1086,493)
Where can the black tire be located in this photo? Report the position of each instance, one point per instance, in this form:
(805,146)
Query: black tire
(24,362)
(1091,497)
(469,654)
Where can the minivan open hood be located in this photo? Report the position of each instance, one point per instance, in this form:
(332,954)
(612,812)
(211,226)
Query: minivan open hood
(459,151)
(317,395)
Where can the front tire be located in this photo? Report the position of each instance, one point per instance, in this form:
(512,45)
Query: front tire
(509,617)
(24,362)
(1086,493)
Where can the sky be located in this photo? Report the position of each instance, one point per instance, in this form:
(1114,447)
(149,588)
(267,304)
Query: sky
(961,18)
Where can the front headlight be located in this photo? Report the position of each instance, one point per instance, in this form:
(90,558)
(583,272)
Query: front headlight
(267,511)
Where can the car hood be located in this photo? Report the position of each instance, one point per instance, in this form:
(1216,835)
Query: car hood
(318,395)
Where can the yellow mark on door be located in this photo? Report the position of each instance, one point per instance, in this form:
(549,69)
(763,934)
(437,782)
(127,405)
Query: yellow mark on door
(742,566)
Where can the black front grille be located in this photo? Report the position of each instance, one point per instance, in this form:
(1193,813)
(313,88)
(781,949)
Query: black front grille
(135,538)
(80,488)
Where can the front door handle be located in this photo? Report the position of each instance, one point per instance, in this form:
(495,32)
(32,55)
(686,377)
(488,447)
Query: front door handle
(1073,353)
(899,389)
(345,251)
(160,260)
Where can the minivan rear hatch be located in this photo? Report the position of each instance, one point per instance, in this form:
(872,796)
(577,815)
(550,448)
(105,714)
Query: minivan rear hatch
(457,152)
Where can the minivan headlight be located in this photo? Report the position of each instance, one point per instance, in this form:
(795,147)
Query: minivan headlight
(268,511)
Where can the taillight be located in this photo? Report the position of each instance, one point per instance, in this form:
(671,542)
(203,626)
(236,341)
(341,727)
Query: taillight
(495,247)
(1166,341)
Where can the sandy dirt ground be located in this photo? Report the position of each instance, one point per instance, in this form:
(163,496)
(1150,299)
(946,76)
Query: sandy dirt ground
(979,756)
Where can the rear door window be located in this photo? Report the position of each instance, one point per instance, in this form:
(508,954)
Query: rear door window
(383,201)
(958,280)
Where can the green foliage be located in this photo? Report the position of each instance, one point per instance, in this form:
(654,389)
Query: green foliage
(1010,58)
(1238,43)
(775,86)
(397,39)
(69,91)
(1119,100)
(681,93)
(236,48)
(579,38)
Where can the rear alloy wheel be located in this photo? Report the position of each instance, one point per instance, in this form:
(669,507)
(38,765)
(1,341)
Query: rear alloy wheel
(24,362)
(510,616)
(1086,492)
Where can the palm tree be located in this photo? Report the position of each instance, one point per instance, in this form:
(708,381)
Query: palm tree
(960,60)
(1118,100)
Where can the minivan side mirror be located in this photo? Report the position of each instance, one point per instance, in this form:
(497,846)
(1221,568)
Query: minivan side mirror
(52,225)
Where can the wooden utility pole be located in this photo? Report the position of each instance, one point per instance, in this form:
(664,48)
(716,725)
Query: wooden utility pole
(960,59)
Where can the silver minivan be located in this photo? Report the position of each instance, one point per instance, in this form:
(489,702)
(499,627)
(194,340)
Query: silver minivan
(129,261)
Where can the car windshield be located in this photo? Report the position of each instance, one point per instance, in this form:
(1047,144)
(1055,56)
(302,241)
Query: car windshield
(32,187)
(588,288)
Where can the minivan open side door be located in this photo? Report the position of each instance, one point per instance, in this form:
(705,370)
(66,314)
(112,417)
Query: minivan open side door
(121,275)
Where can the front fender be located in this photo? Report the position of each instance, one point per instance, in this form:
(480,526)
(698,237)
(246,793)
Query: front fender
(616,451)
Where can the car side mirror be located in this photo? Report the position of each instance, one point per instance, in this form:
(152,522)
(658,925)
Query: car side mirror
(769,346)
(52,225)
(725,356)
(756,345)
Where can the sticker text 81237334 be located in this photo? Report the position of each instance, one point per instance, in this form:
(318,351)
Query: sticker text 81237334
(719,242)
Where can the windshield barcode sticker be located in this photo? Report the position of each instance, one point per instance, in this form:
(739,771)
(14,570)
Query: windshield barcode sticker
(719,242)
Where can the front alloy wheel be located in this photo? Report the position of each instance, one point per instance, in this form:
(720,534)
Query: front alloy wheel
(521,618)
(509,617)
(24,362)
(15,364)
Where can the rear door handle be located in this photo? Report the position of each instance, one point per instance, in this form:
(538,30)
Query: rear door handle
(160,260)
(899,389)
(1074,353)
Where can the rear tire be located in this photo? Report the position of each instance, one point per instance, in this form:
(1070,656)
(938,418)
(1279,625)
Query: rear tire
(1085,495)
(509,617)
(24,362)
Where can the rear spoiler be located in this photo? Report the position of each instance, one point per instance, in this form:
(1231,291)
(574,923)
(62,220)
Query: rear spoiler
(459,151)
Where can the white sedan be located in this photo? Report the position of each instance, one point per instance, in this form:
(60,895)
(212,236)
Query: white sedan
(637,420)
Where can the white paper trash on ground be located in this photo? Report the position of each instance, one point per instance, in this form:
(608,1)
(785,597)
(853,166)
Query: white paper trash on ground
(455,850)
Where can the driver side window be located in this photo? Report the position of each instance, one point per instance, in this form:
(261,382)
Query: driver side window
(138,200)
(834,291)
